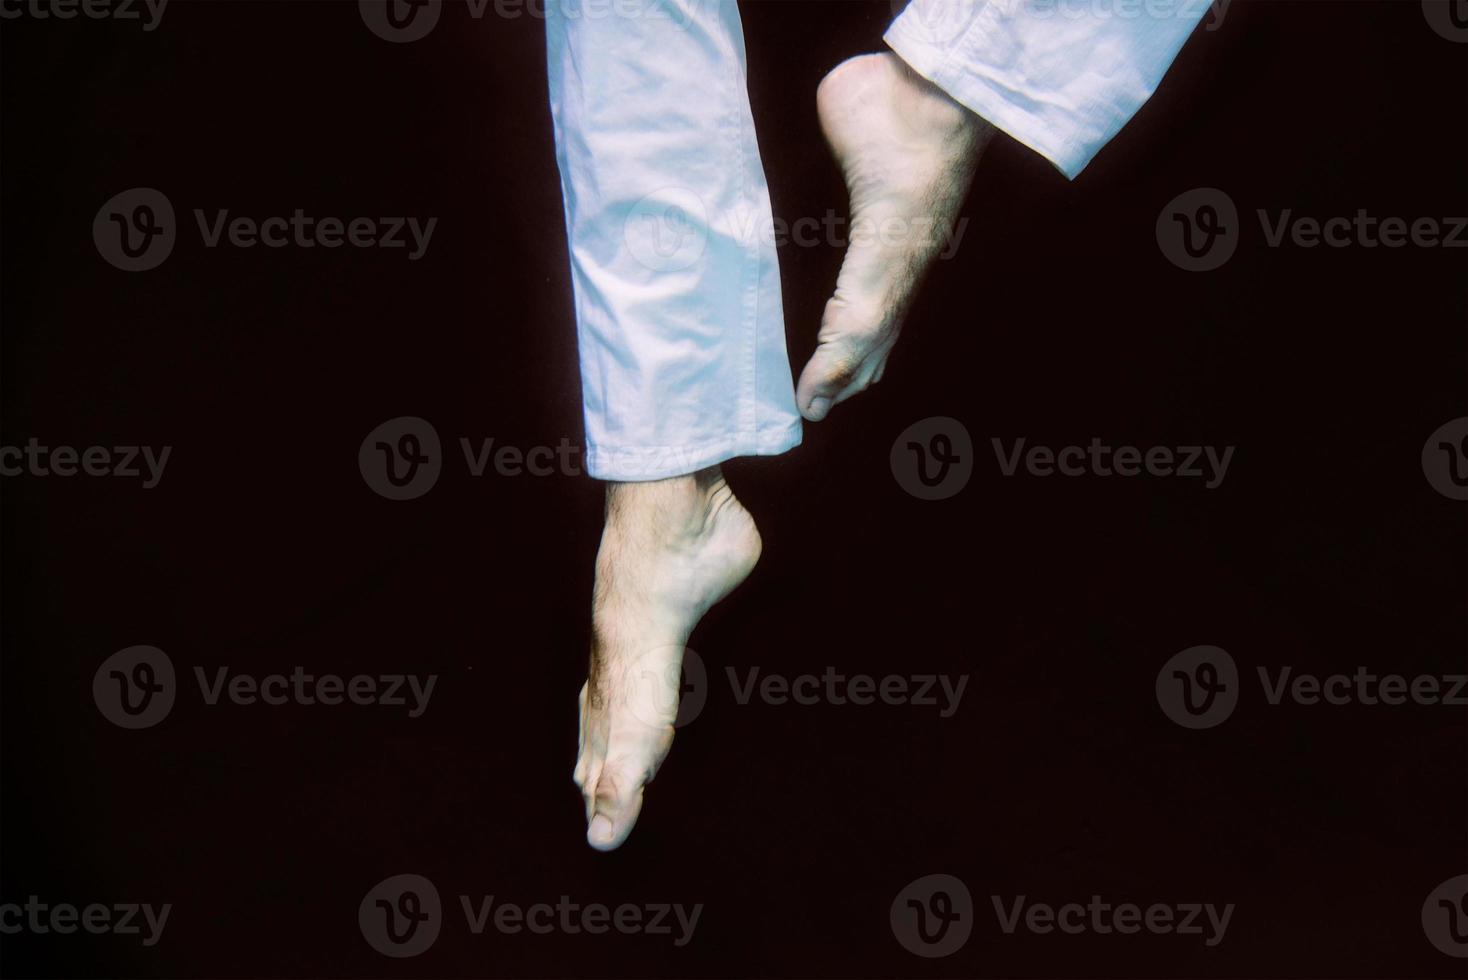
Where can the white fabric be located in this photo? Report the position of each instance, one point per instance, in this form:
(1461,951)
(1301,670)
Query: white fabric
(1060,76)
(677,289)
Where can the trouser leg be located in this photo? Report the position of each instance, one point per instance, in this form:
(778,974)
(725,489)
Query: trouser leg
(1061,76)
(677,290)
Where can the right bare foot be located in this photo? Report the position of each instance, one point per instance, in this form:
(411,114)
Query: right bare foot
(669,551)
(908,153)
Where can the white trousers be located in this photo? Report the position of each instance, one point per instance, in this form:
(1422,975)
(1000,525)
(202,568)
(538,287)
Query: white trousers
(677,289)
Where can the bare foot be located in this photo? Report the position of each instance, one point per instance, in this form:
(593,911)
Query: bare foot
(669,551)
(908,154)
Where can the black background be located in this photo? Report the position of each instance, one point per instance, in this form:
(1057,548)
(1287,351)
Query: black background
(1059,320)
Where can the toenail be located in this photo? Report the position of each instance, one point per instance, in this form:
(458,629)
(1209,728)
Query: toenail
(600,831)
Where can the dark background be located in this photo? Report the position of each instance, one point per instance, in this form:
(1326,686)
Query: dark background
(1058,320)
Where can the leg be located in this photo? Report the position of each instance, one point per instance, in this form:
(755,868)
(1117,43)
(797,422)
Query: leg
(908,153)
(907,130)
(669,551)
(682,351)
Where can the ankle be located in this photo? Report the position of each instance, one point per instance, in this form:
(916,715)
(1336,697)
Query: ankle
(672,511)
(926,107)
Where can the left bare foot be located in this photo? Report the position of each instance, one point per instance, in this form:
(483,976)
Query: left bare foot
(908,153)
(669,551)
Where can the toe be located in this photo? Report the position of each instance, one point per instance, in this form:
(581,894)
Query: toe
(615,805)
(830,371)
(834,373)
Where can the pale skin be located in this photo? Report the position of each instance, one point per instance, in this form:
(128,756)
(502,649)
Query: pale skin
(671,549)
